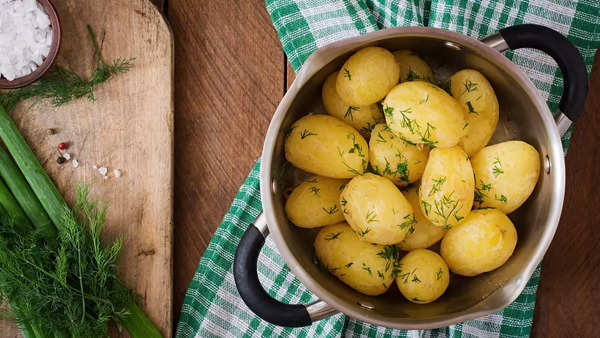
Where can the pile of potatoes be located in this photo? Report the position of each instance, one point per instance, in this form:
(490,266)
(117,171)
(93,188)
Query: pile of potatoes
(401,164)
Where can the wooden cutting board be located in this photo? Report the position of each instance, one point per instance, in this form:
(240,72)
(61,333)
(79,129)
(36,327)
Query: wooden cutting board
(129,127)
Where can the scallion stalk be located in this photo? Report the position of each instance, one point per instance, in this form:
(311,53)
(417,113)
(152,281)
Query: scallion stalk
(39,181)
(11,208)
(25,197)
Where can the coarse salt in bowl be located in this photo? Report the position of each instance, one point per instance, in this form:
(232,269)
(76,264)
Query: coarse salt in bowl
(29,40)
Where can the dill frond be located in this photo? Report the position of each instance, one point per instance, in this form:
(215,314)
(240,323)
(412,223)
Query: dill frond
(73,289)
(61,85)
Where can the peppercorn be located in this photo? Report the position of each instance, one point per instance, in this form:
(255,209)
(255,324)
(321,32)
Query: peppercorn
(60,160)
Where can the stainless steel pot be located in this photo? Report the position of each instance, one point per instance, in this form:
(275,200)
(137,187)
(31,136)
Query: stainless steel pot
(524,115)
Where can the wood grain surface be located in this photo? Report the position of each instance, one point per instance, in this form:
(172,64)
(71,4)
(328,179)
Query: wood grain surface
(229,80)
(114,132)
(231,74)
(568,299)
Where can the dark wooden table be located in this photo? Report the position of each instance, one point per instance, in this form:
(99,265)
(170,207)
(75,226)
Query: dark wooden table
(230,75)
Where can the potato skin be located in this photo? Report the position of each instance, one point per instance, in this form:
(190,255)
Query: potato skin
(363,266)
(323,145)
(479,100)
(395,158)
(376,209)
(316,202)
(367,76)
(481,243)
(423,277)
(361,118)
(447,187)
(412,67)
(424,113)
(505,175)
(425,233)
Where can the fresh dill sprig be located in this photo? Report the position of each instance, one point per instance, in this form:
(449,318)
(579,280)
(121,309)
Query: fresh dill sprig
(61,85)
(72,289)
(332,236)
(349,111)
(347,74)
(371,216)
(306,133)
(332,210)
(471,109)
(437,185)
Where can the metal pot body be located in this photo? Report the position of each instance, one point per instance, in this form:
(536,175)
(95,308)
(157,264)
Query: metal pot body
(524,115)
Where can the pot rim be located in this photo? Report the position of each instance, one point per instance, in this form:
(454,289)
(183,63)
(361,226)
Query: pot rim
(321,58)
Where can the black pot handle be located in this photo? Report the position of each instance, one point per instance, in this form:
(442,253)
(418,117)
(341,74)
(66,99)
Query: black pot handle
(256,298)
(563,52)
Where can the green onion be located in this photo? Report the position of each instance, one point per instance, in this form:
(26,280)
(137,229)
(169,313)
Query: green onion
(138,324)
(11,208)
(41,184)
(25,197)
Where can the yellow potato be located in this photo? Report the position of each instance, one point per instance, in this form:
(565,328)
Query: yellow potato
(423,276)
(397,159)
(412,67)
(425,233)
(481,243)
(315,202)
(447,187)
(376,209)
(362,118)
(505,175)
(423,113)
(367,76)
(367,268)
(323,145)
(478,98)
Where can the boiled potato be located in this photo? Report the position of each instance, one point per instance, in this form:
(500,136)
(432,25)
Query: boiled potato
(376,209)
(481,243)
(367,76)
(362,118)
(447,187)
(424,113)
(315,202)
(423,276)
(326,146)
(478,98)
(505,175)
(412,67)
(425,233)
(367,268)
(395,158)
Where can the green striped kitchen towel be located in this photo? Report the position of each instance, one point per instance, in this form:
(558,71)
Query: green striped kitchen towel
(212,306)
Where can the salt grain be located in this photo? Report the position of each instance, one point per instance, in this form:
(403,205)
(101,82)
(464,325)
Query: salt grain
(95,166)
(25,37)
(67,156)
(103,171)
(75,163)
(117,173)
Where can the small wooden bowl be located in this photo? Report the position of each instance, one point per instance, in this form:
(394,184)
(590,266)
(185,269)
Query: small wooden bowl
(49,60)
